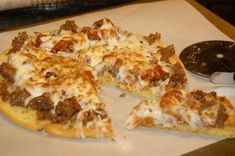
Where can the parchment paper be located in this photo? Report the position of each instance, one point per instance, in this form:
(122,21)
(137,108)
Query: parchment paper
(180,24)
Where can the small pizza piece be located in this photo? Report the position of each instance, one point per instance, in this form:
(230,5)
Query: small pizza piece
(40,90)
(196,112)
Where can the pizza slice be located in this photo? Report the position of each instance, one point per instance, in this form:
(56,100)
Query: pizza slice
(70,38)
(43,91)
(196,112)
(139,72)
(136,63)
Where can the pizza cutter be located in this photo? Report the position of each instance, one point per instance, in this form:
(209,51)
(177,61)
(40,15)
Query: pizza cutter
(223,77)
(213,59)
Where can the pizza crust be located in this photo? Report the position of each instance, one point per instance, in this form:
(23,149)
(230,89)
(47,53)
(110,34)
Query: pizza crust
(62,130)
(227,132)
(27,118)
(22,116)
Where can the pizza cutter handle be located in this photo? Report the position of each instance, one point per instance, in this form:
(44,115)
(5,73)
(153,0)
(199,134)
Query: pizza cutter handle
(223,78)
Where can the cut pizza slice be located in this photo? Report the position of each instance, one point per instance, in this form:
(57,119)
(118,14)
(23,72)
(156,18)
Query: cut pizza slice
(40,90)
(196,112)
(141,73)
(71,38)
(136,63)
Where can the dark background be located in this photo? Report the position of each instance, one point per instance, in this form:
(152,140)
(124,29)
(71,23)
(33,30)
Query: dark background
(11,19)
(223,8)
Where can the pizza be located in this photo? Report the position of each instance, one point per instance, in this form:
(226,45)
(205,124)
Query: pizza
(51,81)
(45,91)
(195,111)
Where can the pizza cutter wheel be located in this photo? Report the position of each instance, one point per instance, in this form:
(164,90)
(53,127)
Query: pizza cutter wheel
(205,58)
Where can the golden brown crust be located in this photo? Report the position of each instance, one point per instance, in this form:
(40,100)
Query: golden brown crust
(228,132)
(27,118)
(24,117)
(62,130)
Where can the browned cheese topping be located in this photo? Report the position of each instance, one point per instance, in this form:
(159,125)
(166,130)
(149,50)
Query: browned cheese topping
(18,42)
(166,52)
(7,71)
(63,45)
(155,74)
(201,101)
(69,25)
(91,33)
(100,22)
(152,37)
(178,78)
(38,40)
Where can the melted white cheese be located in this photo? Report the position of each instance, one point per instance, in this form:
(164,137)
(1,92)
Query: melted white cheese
(30,77)
(194,119)
(151,109)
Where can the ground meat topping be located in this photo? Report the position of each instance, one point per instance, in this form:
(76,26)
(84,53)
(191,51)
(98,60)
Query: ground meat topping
(198,94)
(166,53)
(18,97)
(69,25)
(114,69)
(38,40)
(152,37)
(178,78)
(200,100)
(91,34)
(168,101)
(41,103)
(64,46)
(221,117)
(108,34)
(100,22)
(101,112)
(88,116)
(208,101)
(18,42)
(7,71)
(66,109)
(154,74)
(44,115)
(5,95)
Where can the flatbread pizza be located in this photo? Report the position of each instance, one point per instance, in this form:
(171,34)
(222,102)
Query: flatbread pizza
(51,81)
